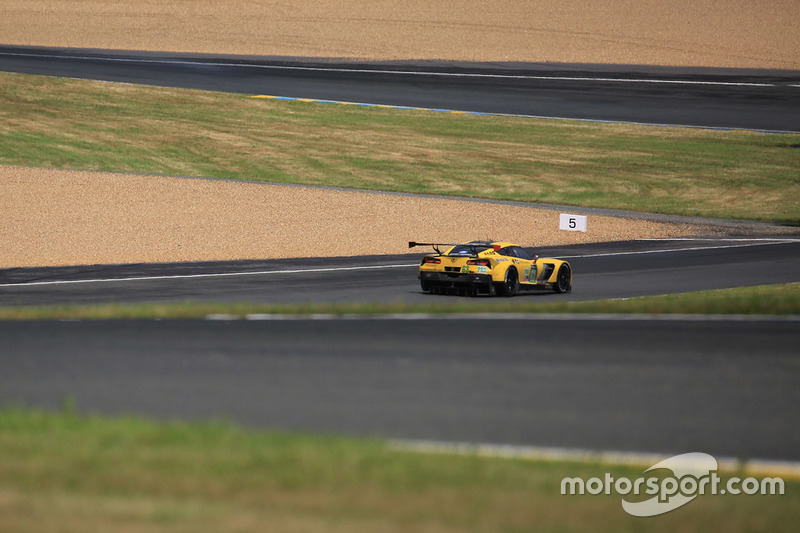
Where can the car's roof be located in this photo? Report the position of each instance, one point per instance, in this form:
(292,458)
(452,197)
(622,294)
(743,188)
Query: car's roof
(488,244)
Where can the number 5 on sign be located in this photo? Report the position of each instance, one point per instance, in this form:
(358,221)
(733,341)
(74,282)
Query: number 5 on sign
(572,222)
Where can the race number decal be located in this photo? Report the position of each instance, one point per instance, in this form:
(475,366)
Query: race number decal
(572,222)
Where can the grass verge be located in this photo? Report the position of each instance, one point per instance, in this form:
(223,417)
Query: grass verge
(66,472)
(782,299)
(64,123)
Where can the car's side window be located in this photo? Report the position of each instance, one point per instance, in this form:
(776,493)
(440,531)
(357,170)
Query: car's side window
(507,251)
(522,254)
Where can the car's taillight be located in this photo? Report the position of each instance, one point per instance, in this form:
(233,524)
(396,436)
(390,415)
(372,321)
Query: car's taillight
(430,260)
(479,262)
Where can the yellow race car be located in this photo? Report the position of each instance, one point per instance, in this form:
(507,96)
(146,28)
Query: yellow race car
(483,267)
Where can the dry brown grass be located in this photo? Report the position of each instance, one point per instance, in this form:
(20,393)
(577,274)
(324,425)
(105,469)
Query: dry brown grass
(68,217)
(75,474)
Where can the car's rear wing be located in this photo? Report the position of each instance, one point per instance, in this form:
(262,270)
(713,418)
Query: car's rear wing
(412,244)
(436,245)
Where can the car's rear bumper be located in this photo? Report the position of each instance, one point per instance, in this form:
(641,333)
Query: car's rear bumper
(448,277)
(438,281)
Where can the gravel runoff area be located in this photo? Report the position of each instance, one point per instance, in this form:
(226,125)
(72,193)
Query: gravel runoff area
(67,217)
(733,33)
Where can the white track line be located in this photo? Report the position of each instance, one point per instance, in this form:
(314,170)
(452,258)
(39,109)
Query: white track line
(570,317)
(384,71)
(455,74)
(217,275)
(778,240)
(759,467)
(690,249)
(370,267)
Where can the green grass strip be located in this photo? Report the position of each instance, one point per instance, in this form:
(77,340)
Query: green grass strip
(782,299)
(74,473)
(63,123)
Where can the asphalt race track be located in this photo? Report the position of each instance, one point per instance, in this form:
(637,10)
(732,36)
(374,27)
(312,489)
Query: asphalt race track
(727,388)
(724,98)
(605,270)
(722,386)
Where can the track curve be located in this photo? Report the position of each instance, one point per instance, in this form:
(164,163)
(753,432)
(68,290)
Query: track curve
(716,98)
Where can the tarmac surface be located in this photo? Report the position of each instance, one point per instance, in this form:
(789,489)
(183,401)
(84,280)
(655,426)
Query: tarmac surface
(703,97)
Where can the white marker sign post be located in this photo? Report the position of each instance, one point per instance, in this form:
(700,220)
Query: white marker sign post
(572,222)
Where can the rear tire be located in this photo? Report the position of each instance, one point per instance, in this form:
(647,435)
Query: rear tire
(563,280)
(510,285)
(426,286)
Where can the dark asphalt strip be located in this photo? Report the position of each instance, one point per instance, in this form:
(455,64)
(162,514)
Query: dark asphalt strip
(605,270)
(723,387)
(718,98)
